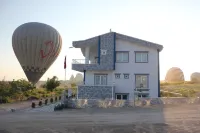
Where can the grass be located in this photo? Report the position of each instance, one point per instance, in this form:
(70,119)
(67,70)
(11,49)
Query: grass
(187,89)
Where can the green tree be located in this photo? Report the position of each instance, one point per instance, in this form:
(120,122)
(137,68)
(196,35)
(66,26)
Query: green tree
(21,85)
(52,83)
(4,88)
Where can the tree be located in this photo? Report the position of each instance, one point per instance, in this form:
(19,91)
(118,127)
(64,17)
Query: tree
(4,88)
(52,83)
(20,86)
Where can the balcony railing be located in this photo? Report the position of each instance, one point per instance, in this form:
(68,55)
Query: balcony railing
(83,61)
(86,84)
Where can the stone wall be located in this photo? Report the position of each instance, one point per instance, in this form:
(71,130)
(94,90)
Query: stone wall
(107,43)
(106,61)
(86,103)
(94,92)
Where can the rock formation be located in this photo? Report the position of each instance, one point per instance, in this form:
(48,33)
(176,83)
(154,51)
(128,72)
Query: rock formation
(174,74)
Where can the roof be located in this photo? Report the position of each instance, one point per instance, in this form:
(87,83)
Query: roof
(94,40)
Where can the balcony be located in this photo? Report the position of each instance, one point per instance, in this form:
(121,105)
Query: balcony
(84,64)
(83,61)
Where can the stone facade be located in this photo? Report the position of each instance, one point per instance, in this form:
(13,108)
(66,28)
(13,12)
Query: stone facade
(95,92)
(106,61)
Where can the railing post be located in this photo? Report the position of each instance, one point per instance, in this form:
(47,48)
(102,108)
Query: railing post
(77,94)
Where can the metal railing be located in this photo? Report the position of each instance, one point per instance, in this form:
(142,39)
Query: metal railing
(83,61)
(86,84)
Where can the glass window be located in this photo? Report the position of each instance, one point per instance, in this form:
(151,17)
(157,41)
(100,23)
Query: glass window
(100,79)
(118,97)
(143,95)
(122,56)
(126,76)
(122,96)
(97,79)
(141,81)
(141,57)
(125,97)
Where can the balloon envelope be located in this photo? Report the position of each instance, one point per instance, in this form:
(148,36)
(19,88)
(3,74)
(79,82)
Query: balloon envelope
(36,46)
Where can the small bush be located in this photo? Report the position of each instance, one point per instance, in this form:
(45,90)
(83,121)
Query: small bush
(40,103)
(46,101)
(33,105)
(59,107)
(6,100)
(32,98)
(56,99)
(51,100)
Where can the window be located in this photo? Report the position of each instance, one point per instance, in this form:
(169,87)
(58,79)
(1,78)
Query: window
(141,57)
(100,79)
(103,52)
(126,76)
(141,81)
(121,96)
(117,75)
(143,95)
(122,56)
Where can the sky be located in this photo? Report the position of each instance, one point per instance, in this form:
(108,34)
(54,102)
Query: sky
(175,24)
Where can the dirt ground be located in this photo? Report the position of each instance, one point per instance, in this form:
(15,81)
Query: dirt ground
(168,119)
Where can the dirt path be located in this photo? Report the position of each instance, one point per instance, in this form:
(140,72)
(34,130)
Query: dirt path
(174,119)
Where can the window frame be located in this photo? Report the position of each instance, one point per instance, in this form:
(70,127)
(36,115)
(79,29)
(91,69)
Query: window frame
(100,79)
(126,74)
(140,79)
(117,74)
(140,52)
(121,96)
(116,52)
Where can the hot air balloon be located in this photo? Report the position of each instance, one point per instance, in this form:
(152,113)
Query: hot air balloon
(36,46)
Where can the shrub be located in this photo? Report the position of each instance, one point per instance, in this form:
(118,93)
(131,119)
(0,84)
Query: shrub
(40,103)
(4,100)
(51,100)
(46,101)
(32,98)
(33,105)
(62,106)
(56,99)
(58,107)
(52,83)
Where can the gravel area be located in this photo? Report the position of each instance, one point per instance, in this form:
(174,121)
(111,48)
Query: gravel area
(173,119)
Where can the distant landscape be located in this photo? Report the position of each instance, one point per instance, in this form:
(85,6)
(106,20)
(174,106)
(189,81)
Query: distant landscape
(174,85)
